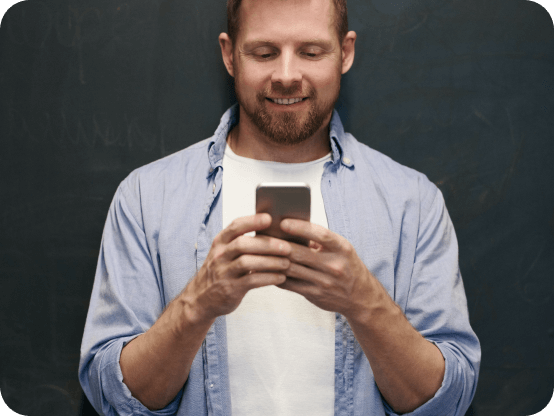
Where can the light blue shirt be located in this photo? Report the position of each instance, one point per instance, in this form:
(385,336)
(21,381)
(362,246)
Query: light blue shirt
(160,228)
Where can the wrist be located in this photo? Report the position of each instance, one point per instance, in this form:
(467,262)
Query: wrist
(374,305)
(193,313)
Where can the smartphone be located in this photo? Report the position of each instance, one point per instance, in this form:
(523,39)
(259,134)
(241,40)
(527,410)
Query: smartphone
(283,200)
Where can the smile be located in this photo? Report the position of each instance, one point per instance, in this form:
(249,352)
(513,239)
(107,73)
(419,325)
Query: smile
(286,101)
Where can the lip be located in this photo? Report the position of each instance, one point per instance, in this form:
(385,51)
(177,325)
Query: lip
(282,98)
(285,106)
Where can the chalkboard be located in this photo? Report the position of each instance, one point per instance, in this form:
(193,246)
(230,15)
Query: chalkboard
(461,90)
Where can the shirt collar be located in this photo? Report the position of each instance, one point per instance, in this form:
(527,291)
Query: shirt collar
(230,118)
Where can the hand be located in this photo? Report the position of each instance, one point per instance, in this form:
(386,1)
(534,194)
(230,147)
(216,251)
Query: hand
(235,264)
(328,273)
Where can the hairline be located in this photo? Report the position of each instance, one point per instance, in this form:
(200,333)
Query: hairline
(337,22)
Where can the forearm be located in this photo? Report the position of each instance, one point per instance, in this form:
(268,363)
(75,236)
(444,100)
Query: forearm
(156,364)
(407,368)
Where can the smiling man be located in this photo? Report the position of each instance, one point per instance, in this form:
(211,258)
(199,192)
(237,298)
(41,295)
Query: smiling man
(193,315)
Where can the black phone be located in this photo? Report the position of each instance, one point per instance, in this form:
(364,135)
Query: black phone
(283,200)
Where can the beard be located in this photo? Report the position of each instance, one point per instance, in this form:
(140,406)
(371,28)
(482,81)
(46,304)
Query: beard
(287,127)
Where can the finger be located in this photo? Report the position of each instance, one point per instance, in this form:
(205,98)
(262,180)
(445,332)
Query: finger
(314,232)
(242,226)
(306,256)
(255,280)
(299,286)
(260,245)
(248,262)
(305,274)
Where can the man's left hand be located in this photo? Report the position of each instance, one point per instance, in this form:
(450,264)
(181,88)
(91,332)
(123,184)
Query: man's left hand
(329,272)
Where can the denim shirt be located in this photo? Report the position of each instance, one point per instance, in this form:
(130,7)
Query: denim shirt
(159,231)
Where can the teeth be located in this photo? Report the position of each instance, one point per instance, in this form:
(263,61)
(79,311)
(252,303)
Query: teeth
(286,101)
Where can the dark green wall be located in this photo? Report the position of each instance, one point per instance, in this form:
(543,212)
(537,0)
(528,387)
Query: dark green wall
(462,90)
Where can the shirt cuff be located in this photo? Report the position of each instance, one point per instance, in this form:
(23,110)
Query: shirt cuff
(445,400)
(118,394)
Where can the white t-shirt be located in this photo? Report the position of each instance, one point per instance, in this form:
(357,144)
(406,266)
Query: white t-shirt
(281,348)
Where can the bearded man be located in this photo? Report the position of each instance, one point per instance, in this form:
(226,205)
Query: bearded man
(191,314)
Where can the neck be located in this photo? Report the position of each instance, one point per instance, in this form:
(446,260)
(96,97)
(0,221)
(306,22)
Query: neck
(248,141)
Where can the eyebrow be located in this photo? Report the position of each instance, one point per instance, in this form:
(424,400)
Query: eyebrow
(323,44)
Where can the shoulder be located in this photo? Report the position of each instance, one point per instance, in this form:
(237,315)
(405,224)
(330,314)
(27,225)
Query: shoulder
(171,167)
(168,173)
(390,177)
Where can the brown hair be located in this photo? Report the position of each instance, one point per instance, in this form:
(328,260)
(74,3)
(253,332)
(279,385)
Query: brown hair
(233,23)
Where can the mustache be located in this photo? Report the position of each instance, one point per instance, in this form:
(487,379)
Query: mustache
(286,91)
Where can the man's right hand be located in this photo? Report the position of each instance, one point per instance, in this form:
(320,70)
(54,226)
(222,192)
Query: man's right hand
(235,264)
(156,364)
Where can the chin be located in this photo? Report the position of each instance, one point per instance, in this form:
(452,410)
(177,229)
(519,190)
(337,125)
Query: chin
(288,127)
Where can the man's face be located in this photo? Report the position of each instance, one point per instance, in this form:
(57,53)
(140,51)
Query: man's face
(287,51)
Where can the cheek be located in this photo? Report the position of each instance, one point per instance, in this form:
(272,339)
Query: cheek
(323,75)
(253,77)
(326,80)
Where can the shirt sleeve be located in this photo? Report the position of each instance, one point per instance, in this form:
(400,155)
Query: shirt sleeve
(437,308)
(125,302)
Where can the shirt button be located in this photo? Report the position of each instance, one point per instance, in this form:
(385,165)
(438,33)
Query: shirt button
(196,246)
(213,188)
(211,385)
(346,160)
(211,170)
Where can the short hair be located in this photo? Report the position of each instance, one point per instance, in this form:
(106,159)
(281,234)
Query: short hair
(233,21)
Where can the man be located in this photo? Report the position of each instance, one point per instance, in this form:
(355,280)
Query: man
(191,314)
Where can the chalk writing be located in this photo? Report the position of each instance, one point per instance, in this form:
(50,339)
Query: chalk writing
(531,286)
(34,24)
(97,129)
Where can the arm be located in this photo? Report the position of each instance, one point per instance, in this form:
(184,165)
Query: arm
(132,359)
(156,364)
(409,370)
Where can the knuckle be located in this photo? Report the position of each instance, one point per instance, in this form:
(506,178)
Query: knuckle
(234,226)
(242,263)
(211,264)
(336,268)
(216,257)
(241,243)
(261,219)
(347,247)
(216,241)
(249,281)
(233,246)
(327,236)
(281,246)
(326,285)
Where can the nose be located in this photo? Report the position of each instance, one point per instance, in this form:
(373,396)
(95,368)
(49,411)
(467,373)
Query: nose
(287,71)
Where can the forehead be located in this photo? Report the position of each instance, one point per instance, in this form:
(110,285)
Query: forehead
(279,20)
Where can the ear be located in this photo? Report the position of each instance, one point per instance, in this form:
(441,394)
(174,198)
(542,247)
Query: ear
(227,52)
(348,51)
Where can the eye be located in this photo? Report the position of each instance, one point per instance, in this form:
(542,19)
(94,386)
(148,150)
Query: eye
(311,53)
(264,53)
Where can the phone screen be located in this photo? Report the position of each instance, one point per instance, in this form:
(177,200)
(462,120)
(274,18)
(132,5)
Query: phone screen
(283,200)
